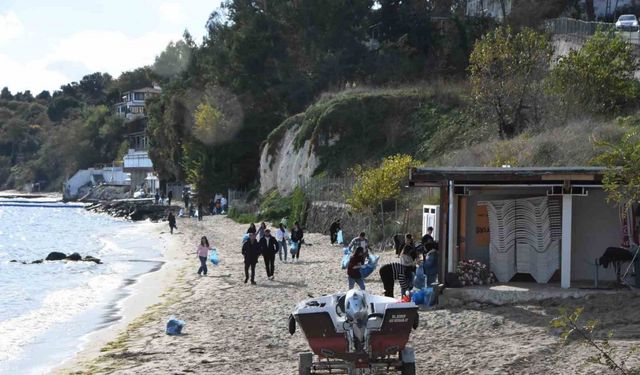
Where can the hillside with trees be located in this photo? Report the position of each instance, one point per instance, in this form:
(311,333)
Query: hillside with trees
(415,77)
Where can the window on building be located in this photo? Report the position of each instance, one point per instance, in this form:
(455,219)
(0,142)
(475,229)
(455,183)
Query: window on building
(137,109)
(138,96)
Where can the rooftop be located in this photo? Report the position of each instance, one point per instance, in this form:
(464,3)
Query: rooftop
(506,175)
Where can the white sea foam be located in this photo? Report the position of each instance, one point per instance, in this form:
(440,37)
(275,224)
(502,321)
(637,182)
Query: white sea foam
(46,308)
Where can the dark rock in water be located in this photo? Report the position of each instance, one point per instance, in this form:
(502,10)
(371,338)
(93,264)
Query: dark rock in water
(75,257)
(56,256)
(37,261)
(13,261)
(89,258)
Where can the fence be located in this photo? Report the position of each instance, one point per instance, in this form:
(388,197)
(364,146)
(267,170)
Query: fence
(335,189)
(583,30)
(576,27)
(237,199)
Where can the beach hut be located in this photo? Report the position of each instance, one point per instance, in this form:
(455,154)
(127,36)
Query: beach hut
(550,224)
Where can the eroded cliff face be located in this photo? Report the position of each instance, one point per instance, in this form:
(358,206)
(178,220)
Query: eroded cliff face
(283,165)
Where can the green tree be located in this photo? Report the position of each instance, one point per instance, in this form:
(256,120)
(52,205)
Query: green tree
(377,184)
(507,70)
(622,178)
(598,78)
(5,94)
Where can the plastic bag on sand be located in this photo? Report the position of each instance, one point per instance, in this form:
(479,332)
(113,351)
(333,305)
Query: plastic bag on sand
(424,296)
(420,279)
(174,326)
(368,268)
(340,237)
(345,258)
(213,256)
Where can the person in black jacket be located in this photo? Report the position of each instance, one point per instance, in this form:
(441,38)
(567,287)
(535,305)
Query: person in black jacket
(172,222)
(251,253)
(269,248)
(333,231)
(169,197)
(296,237)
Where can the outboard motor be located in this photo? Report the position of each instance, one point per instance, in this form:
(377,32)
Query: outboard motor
(357,313)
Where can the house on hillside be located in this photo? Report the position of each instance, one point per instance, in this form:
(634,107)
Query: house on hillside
(497,9)
(132,105)
(137,161)
(545,224)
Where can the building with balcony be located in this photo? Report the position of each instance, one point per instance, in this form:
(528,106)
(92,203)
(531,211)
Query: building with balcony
(132,105)
(137,162)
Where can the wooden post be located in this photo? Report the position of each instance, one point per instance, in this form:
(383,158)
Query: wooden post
(565,270)
(443,220)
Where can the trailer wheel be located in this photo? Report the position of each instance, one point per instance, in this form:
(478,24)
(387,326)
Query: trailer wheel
(408,369)
(304,363)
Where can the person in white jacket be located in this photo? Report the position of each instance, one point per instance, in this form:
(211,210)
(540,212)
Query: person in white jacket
(281,238)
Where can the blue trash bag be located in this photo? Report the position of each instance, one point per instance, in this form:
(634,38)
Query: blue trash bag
(429,296)
(345,258)
(340,237)
(245,238)
(368,268)
(213,256)
(174,326)
(294,247)
(418,297)
(420,278)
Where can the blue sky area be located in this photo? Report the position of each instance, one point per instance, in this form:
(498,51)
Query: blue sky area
(45,44)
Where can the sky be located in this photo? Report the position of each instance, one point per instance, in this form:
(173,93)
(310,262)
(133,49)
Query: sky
(45,44)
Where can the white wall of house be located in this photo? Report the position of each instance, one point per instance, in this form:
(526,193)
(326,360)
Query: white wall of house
(84,177)
(137,159)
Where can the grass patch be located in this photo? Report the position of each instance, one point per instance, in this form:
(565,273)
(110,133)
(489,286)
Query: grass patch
(241,218)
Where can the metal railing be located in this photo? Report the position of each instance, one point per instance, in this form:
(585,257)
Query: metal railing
(584,29)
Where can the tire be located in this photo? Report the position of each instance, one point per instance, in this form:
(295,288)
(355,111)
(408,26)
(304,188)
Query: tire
(408,369)
(305,360)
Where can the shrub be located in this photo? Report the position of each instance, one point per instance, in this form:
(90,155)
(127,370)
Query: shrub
(598,78)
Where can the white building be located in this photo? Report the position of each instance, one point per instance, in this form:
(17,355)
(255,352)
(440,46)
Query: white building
(85,178)
(132,105)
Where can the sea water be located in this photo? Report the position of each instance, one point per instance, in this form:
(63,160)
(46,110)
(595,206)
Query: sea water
(46,309)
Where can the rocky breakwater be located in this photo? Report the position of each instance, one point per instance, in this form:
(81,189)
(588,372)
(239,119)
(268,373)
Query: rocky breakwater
(133,209)
(56,256)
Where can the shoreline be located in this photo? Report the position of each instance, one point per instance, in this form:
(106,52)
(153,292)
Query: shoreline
(133,299)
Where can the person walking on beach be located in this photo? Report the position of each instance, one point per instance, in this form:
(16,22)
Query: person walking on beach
(297,236)
(202,252)
(172,222)
(157,197)
(333,231)
(391,272)
(185,198)
(223,204)
(281,237)
(360,241)
(200,212)
(212,206)
(261,230)
(169,197)
(251,253)
(252,229)
(269,248)
(353,270)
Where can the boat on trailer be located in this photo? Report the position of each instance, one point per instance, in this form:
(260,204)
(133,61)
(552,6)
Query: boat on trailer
(356,333)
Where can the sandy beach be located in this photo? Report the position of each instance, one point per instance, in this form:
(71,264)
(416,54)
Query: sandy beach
(237,328)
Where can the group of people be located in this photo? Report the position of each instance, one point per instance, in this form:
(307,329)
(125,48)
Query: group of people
(410,256)
(262,243)
(160,197)
(218,204)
